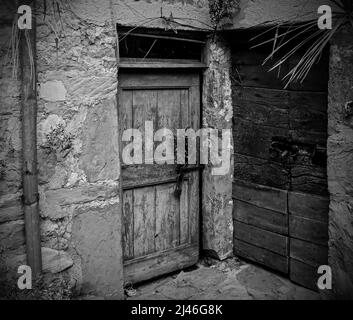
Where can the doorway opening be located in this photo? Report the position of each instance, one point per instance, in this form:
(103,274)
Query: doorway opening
(280,177)
(159,86)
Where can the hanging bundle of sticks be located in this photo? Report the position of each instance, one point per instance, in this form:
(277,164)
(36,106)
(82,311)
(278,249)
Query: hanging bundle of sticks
(27,53)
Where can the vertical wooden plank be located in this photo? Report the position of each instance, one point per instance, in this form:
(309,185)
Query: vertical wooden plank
(128,224)
(194,203)
(184,214)
(125,121)
(169,113)
(194,199)
(150,103)
(140,98)
(169,109)
(144,107)
(167,218)
(185,109)
(195,111)
(126,109)
(144,221)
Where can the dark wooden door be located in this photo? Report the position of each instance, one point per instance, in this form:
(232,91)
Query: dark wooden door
(161,228)
(280,187)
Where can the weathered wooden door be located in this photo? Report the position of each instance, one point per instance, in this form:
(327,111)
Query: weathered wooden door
(160,226)
(280,187)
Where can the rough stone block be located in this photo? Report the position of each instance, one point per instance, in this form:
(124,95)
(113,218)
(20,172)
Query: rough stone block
(55,204)
(10,208)
(96,236)
(11,214)
(12,235)
(55,261)
(100,150)
(53,91)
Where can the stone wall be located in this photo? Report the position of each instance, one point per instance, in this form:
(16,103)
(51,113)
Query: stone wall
(340,163)
(78,151)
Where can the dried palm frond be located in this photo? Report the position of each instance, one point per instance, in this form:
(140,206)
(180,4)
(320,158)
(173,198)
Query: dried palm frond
(305,40)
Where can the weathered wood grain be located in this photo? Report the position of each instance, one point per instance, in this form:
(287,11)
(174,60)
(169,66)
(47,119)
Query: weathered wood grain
(303,274)
(169,109)
(167,218)
(185,114)
(261,106)
(141,174)
(261,196)
(309,179)
(195,107)
(128,224)
(308,253)
(260,171)
(157,79)
(149,267)
(144,221)
(194,207)
(308,206)
(308,230)
(126,106)
(184,214)
(268,258)
(259,217)
(254,140)
(261,238)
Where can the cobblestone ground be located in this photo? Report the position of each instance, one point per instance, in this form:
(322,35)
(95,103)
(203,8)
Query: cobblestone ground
(229,280)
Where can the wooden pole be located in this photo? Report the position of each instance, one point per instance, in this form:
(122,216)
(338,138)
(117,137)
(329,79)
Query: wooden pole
(29,144)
